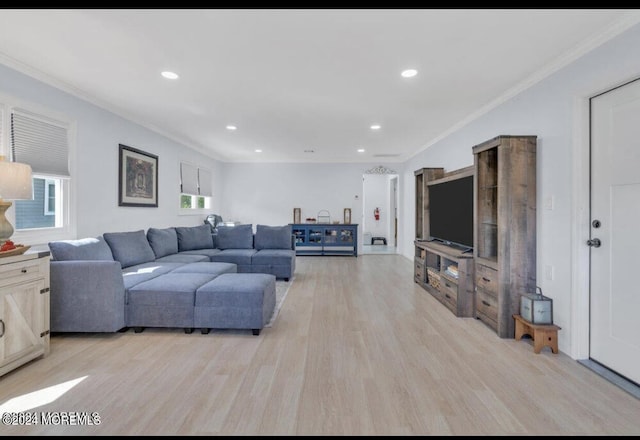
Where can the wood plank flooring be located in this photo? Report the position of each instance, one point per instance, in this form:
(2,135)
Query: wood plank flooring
(357,349)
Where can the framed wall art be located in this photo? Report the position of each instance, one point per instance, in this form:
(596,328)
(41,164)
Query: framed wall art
(138,178)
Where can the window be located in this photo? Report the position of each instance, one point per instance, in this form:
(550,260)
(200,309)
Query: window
(50,188)
(195,188)
(42,142)
(39,212)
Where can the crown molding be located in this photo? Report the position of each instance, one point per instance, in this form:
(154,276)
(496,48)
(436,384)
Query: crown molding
(618,27)
(80,94)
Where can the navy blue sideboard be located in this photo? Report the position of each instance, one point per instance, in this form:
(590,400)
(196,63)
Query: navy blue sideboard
(326,239)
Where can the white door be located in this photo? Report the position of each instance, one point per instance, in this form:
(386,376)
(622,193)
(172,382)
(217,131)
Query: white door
(615,221)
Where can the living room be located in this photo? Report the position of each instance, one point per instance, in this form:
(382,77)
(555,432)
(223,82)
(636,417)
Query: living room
(375,294)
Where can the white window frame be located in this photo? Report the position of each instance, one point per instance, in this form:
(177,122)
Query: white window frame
(65,203)
(47,193)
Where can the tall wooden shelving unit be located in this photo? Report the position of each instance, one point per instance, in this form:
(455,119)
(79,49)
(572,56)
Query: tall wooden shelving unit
(423,176)
(505,228)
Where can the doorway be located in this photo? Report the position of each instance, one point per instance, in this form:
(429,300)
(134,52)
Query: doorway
(614,234)
(380,202)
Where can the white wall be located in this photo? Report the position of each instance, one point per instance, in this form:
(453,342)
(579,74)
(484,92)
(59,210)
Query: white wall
(553,109)
(267,193)
(95,161)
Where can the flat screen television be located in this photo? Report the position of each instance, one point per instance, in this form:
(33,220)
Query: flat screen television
(451,212)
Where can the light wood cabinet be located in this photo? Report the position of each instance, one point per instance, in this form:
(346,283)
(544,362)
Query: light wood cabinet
(505,228)
(24,309)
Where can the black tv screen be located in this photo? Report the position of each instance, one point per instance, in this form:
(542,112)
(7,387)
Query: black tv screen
(451,211)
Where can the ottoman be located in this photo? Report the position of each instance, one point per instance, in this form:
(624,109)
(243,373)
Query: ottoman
(164,301)
(235,301)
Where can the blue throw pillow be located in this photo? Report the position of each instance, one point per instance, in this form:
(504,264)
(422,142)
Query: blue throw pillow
(163,241)
(273,237)
(194,237)
(82,249)
(235,237)
(130,248)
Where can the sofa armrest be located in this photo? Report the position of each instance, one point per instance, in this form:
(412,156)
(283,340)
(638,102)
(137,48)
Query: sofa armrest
(87,296)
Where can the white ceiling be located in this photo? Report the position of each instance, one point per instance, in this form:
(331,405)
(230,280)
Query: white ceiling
(301,79)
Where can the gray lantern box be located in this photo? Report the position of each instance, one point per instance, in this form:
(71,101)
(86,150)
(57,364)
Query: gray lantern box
(536,308)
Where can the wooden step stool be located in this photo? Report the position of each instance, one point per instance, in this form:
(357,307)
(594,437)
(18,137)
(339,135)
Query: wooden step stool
(542,334)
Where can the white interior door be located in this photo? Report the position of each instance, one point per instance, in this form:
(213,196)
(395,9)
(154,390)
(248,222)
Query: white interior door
(615,222)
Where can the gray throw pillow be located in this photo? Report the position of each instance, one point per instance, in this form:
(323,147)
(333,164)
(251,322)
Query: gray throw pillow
(194,237)
(130,248)
(273,237)
(81,249)
(235,237)
(163,241)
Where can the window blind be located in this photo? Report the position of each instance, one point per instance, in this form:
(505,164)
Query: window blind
(188,179)
(195,181)
(40,142)
(204,182)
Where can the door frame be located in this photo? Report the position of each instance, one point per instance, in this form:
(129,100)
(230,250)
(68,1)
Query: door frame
(580,217)
(390,174)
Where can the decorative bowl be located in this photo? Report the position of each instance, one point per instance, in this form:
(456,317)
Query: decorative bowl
(19,250)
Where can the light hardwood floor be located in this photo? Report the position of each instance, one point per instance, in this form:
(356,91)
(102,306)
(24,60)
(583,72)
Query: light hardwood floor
(358,349)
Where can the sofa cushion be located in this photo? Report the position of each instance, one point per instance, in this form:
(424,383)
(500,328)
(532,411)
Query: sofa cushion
(241,257)
(207,267)
(273,237)
(82,249)
(133,275)
(163,241)
(235,237)
(273,257)
(194,237)
(171,289)
(183,258)
(130,248)
(207,252)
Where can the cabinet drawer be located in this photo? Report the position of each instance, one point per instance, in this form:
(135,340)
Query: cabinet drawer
(449,293)
(487,279)
(20,271)
(487,320)
(487,304)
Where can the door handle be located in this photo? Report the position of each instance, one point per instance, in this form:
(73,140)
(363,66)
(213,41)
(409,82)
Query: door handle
(595,242)
(2,322)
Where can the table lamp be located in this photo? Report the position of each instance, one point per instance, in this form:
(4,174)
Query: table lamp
(15,184)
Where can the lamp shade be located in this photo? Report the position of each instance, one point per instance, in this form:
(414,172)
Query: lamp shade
(15,181)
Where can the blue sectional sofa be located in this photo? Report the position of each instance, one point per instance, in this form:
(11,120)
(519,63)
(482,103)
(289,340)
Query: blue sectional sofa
(169,278)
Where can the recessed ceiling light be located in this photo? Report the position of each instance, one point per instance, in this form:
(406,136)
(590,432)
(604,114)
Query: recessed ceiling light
(360,150)
(375,127)
(170,75)
(231,127)
(409,73)
(258,151)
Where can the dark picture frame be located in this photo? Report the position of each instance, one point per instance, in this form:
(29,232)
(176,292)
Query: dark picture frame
(137,178)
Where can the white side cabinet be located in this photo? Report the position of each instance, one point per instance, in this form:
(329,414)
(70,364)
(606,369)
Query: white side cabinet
(24,309)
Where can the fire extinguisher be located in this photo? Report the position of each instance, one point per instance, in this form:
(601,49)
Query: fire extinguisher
(376,213)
